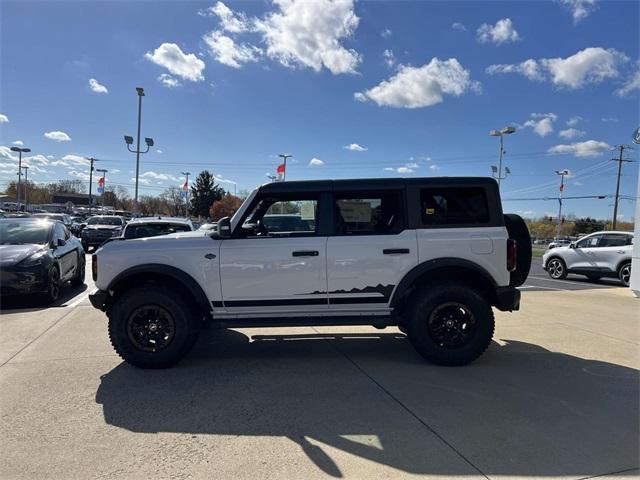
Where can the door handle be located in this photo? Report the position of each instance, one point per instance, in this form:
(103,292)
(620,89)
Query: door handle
(210,256)
(394,251)
(305,253)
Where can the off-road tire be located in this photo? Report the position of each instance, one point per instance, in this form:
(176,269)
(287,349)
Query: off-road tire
(185,332)
(78,278)
(430,299)
(551,269)
(518,231)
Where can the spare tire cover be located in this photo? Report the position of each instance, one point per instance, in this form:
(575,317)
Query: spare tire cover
(518,231)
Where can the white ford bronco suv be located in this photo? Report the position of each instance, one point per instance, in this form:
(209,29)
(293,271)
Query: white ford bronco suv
(429,255)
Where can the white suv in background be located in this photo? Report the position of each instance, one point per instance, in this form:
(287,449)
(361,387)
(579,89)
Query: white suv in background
(601,254)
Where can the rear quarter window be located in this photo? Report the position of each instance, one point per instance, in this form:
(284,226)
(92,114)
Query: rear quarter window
(454,206)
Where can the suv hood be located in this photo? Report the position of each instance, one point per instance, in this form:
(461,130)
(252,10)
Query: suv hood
(12,254)
(103,227)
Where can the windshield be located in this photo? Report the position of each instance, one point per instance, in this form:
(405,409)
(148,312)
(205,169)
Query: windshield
(21,233)
(105,221)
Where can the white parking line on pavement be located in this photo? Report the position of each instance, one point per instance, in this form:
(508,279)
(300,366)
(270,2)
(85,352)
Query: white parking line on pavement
(584,284)
(546,288)
(78,300)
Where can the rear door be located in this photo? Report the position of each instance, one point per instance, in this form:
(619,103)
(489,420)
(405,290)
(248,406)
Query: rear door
(370,249)
(612,249)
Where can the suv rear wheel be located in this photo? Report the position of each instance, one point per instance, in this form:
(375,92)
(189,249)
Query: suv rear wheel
(449,324)
(624,274)
(152,327)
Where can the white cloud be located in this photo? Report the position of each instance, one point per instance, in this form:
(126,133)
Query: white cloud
(141,181)
(434,167)
(590,148)
(316,162)
(226,51)
(570,133)
(169,81)
(404,170)
(114,170)
(229,20)
(75,160)
(159,176)
(633,83)
(354,147)
(96,87)
(580,9)
(589,66)
(502,32)
(78,174)
(159,151)
(60,163)
(19,143)
(36,159)
(459,26)
(7,154)
(386,33)
(542,123)
(389,57)
(4,118)
(573,121)
(416,87)
(309,34)
(58,136)
(170,56)
(529,68)
(609,120)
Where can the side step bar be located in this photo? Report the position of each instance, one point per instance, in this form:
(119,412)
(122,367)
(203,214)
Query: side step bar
(374,321)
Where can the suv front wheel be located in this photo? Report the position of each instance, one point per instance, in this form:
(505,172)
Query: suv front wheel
(557,269)
(450,324)
(152,327)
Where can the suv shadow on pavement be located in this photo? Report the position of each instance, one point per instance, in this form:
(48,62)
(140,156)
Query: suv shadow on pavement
(519,410)
(35,303)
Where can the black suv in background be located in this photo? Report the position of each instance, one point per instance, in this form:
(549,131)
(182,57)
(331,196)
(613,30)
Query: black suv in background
(101,228)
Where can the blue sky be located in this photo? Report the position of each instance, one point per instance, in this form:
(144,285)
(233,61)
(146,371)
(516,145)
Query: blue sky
(364,89)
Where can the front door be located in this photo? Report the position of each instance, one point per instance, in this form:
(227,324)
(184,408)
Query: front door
(275,263)
(370,250)
(583,256)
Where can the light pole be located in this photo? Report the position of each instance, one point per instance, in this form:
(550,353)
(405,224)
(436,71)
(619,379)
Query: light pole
(186,193)
(501,134)
(104,182)
(20,152)
(285,157)
(26,187)
(129,141)
(562,174)
(91,160)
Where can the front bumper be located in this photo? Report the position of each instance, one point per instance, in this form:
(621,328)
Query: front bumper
(507,299)
(21,281)
(98,299)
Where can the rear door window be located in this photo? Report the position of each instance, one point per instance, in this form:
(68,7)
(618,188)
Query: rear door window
(369,213)
(454,206)
(613,240)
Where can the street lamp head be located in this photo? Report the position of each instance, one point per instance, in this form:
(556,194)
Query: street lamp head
(494,133)
(16,149)
(507,171)
(149,141)
(140,91)
(494,169)
(508,130)
(128,140)
(562,172)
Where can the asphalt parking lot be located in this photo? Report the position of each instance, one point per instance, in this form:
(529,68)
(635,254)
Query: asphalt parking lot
(555,396)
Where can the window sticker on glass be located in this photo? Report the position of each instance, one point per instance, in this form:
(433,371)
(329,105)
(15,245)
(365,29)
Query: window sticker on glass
(308,211)
(355,211)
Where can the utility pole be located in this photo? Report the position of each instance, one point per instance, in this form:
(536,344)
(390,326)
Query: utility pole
(26,187)
(186,193)
(285,157)
(562,174)
(104,183)
(20,152)
(620,160)
(91,160)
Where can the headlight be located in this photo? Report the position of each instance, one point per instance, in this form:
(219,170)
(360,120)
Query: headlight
(34,259)
(116,233)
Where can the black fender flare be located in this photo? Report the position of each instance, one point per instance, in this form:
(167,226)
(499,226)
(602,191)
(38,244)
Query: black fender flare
(436,264)
(179,275)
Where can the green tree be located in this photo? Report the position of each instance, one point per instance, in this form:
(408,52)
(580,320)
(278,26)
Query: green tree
(204,193)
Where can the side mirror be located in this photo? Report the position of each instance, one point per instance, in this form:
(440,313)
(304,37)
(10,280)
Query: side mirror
(61,242)
(572,245)
(224,227)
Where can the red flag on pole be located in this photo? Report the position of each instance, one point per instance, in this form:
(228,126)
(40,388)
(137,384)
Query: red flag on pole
(280,171)
(561,187)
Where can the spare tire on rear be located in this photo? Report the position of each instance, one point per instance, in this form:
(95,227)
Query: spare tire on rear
(518,231)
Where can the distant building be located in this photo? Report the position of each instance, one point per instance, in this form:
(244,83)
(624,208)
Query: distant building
(75,198)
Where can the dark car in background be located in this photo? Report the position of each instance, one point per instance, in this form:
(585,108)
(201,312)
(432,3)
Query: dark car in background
(38,256)
(59,217)
(101,228)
